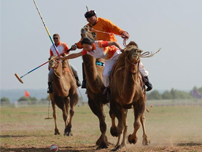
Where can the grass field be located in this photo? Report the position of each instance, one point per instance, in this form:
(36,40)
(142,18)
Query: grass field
(168,128)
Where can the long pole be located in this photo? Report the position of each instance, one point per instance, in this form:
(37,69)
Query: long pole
(20,78)
(46,28)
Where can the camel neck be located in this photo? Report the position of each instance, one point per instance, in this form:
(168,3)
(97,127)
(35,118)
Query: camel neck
(93,75)
(58,70)
(130,84)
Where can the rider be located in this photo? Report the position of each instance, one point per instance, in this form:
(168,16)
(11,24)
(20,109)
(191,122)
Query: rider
(100,26)
(108,50)
(62,49)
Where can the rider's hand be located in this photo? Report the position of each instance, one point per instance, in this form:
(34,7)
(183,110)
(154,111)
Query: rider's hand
(74,47)
(61,57)
(122,50)
(125,35)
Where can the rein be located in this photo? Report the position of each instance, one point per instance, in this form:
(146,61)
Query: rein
(132,70)
(64,70)
(124,39)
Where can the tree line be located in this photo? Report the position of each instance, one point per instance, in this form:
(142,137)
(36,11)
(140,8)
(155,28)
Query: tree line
(29,100)
(173,94)
(154,95)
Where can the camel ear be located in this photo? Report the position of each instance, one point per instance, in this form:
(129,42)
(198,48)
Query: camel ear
(132,43)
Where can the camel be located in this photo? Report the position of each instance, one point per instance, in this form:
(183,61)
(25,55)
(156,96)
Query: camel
(94,88)
(64,94)
(127,91)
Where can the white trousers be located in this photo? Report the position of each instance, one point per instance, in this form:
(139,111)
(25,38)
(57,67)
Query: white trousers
(107,71)
(142,70)
(108,68)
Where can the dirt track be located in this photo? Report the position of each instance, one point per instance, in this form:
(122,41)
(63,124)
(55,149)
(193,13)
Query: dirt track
(169,129)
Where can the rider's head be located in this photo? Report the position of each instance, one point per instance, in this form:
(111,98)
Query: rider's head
(56,38)
(87,44)
(91,17)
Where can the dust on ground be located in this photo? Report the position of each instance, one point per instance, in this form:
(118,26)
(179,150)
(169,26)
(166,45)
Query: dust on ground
(169,129)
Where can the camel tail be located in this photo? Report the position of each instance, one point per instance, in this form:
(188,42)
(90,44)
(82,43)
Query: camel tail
(148,110)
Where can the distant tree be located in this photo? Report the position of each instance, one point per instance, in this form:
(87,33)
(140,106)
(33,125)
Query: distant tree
(196,92)
(5,100)
(167,95)
(200,90)
(33,99)
(23,98)
(173,93)
(30,99)
(177,94)
(154,95)
(45,99)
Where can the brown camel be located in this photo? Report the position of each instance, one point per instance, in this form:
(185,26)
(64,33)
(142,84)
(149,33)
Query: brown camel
(64,92)
(127,92)
(94,87)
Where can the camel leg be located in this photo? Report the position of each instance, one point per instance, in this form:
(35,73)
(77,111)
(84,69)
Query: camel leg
(97,109)
(122,130)
(113,129)
(145,140)
(73,101)
(65,111)
(138,112)
(54,116)
(125,130)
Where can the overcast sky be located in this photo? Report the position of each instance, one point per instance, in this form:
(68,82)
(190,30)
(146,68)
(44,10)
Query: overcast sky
(173,25)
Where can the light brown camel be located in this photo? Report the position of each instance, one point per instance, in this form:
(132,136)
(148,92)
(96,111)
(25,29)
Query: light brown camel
(64,92)
(94,88)
(127,92)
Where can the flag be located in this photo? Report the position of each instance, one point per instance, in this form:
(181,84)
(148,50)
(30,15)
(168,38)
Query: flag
(26,94)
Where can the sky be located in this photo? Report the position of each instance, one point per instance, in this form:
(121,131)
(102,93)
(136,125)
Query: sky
(173,25)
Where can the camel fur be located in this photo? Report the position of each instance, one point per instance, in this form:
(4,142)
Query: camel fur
(64,94)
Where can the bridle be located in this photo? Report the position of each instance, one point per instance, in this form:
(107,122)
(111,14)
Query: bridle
(132,70)
(55,66)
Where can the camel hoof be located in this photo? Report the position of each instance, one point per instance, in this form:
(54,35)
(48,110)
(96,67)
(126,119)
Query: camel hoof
(68,131)
(57,132)
(132,140)
(145,141)
(103,145)
(99,141)
(68,134)
(117,148)
(114,131)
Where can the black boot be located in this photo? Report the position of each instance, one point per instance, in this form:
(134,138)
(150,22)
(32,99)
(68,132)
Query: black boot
(84,78)
(147,83)
(78,83)
(50,87)
(83,84)
(107,91)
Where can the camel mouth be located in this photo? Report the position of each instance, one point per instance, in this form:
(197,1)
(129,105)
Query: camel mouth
(53,62)
(133,55)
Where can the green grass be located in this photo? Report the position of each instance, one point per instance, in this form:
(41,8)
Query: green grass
(166,126)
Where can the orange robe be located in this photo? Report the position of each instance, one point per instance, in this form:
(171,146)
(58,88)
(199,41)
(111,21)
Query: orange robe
(105,26)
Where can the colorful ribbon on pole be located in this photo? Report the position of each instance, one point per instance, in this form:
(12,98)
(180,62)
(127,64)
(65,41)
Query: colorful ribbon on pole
(46,28)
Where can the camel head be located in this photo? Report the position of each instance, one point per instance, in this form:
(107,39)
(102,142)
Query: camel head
(132,53)
(86,32)
(54,62)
